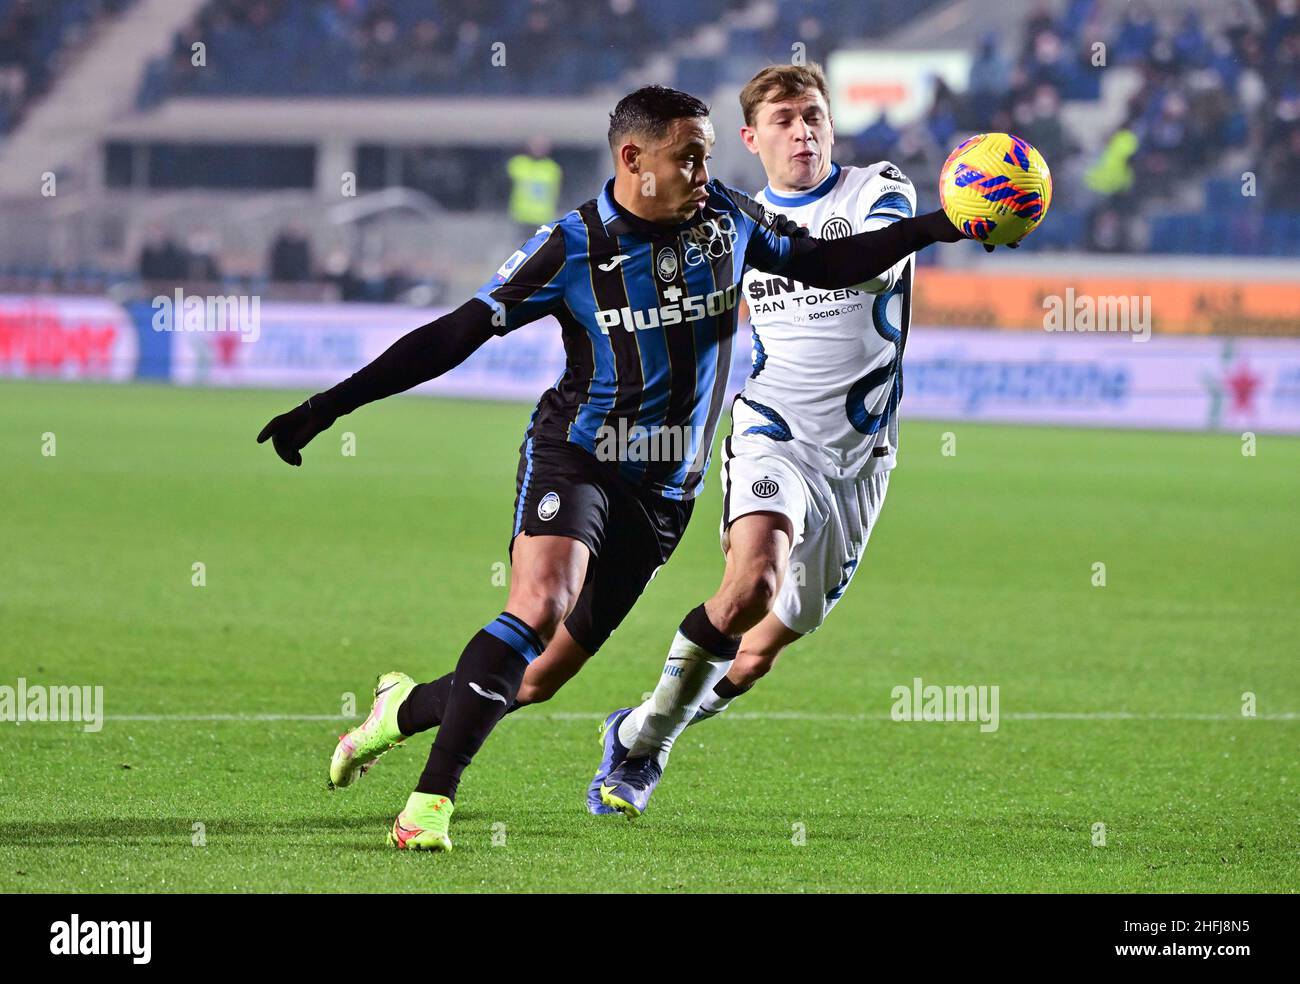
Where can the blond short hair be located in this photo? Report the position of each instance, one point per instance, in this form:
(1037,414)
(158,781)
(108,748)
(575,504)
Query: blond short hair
(777,83)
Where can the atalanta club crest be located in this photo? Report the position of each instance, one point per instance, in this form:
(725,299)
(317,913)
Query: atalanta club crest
(548,507)
(666,264)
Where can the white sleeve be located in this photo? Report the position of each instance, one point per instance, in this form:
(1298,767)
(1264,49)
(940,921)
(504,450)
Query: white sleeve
(884,198)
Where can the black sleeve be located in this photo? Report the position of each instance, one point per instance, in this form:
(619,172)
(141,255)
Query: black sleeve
(832,263)
(418,356)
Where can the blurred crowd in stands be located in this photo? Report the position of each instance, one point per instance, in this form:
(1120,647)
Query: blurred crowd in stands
(390,47)
(1216,100)
(35,35)
(1202,155)
(562,47)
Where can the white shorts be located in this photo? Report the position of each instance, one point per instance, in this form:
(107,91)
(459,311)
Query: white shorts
(832,519)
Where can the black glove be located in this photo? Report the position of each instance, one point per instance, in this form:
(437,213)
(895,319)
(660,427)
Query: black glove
(789,227)
(943,231)
(291,432)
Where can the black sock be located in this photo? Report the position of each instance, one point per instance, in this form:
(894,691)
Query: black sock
(697,627)
(485,683)
(424,706)
(724,688)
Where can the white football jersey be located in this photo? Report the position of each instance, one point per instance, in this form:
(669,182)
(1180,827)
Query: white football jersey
(827,364)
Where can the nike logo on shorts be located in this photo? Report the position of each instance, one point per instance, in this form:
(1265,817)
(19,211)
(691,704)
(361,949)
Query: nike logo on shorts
(488,694)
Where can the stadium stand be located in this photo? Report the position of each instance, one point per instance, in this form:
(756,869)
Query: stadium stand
(1218,91)
(1186,140)
(1217,96)
(386,47)
(35,38)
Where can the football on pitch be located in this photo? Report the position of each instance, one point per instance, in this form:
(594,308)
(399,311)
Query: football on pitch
(996,188)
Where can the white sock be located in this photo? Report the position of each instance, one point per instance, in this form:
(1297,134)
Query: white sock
(689,675)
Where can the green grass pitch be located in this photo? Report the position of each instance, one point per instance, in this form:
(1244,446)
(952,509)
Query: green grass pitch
(319,578)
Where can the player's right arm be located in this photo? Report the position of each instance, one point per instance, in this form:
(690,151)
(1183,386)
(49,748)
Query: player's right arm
(885,198)
(835,263)
(526,287)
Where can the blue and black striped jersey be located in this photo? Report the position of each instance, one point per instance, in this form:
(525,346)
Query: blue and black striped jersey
(648,314)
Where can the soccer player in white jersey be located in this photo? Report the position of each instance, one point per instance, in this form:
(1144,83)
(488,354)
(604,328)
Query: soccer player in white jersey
(814,433)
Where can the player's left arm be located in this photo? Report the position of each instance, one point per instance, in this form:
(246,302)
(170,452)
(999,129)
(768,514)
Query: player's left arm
(525,288)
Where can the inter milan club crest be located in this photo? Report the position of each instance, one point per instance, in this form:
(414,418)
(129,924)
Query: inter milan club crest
(765,488)
(666,264)
(836,227)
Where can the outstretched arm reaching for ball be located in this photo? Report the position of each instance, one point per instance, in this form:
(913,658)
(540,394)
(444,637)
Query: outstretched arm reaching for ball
(418,356)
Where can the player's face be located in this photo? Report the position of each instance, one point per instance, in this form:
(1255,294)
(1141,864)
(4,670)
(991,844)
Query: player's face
(674,171)
(793,138)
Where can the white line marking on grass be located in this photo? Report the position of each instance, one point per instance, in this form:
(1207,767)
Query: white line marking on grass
(1009,716)
(229,717)
(1131,716)
(813,716)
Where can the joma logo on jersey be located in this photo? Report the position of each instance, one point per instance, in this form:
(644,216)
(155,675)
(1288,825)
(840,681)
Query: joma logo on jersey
(691,308)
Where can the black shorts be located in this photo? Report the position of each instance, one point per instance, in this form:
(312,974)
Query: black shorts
(562,490)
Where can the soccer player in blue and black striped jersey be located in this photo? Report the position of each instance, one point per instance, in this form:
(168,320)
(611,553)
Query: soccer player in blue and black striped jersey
(644,283)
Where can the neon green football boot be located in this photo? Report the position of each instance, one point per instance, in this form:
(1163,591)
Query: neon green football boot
(358,750)
(422,826)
